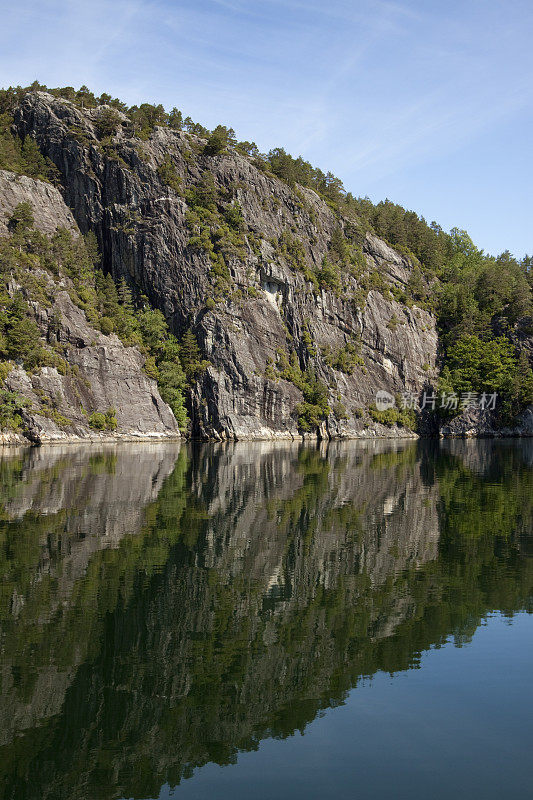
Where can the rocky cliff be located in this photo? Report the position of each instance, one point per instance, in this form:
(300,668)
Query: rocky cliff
(102,374)
(244,260)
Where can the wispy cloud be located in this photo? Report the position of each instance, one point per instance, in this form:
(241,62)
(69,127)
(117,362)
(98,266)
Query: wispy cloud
(372,89)
(415,132)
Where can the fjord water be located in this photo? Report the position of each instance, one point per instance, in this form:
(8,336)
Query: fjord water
(349,620)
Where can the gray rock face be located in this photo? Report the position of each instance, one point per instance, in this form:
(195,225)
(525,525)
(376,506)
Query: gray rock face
(103,373)
(49,209)
(142,228)
(478,423)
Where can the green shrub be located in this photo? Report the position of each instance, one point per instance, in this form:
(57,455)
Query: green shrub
(345,358)
(97,421)
(219,140)
(21,218)
(340,411)
(11,407)
(487,366)
(106,325)
(393,323)
(315,407)
(22,156)
(404,418)
(103,422)
(328,276)
(292,251)
(108,123)
(309,416)
(168,174)
(215,232)
(481,366)
(111,419)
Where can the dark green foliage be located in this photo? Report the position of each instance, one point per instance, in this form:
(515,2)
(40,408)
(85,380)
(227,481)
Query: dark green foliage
(296,170)
(286,167)
(22,157)
(248,149)
(216,229)
(138,324)
(466,287)
(21,218)
(522,388)
(314,408)
(475,289)
(23,342)
(191,358)
(19,335)
(490,366)
(418,289)
(519,393)
(340,411)
(291,249)
(219,140)
(483,366)
(103,421)
(175,119)
(476,297)
(153,328)
(403,418)
(204,195)
(195,128)
(11,406)
(405,230)
(108,123)
(111,419)
(168,174)
(345,258)
(338,244)
(145,118)
(233,216)
(172,385)
(329,277)
(346,358)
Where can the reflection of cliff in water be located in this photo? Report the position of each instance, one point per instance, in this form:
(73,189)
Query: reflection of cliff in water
(229,593)
(60,507)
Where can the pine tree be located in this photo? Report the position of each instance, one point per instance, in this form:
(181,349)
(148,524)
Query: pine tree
(522,385)
(125,297)
(21,218)
(190,356)
(108,123)
(175,119)
(338,243)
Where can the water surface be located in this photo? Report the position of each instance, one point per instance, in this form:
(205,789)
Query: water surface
(267,620)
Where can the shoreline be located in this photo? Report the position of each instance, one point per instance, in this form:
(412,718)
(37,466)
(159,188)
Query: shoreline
(9,439)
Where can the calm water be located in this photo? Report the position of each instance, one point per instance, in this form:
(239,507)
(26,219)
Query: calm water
(267,621)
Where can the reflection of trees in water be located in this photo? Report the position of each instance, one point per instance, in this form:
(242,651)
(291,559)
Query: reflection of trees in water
(252,588)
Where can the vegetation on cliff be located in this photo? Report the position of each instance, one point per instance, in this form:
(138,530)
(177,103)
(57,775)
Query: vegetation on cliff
(483,303)
(33,268)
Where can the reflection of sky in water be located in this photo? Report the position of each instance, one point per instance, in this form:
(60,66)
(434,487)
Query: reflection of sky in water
(460,726)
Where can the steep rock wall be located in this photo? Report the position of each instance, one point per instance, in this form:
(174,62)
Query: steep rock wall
(102,375)
(267,306)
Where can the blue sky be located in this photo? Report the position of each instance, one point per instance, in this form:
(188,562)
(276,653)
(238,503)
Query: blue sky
(428,103)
